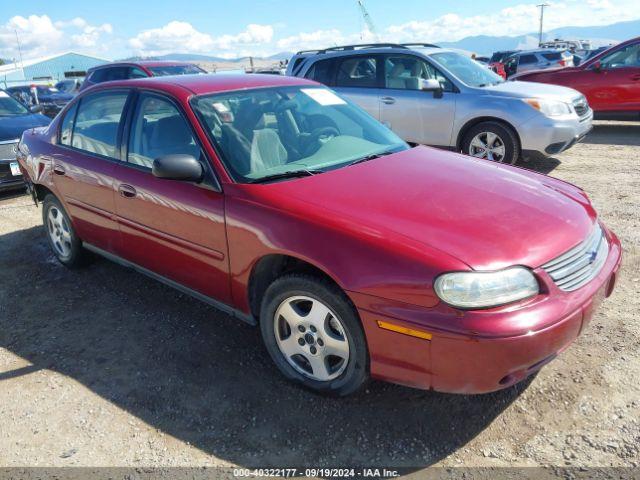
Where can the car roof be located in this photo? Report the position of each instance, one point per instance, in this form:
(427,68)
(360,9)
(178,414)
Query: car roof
(142,63)
(209,83)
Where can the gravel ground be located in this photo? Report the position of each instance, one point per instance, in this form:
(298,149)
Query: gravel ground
(104,367)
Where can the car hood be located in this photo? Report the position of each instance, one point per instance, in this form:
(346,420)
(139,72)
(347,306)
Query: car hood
(487,215)
(532,89)
(12,126)
(56,97)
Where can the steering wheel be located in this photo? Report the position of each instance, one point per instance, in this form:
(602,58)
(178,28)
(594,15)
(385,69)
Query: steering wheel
(317,138)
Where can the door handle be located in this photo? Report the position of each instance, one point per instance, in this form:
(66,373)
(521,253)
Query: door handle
(127,191)
(388,100)
(59,170)
(635,78)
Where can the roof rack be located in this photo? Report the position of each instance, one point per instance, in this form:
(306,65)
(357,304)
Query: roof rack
(427,45)
(354,47)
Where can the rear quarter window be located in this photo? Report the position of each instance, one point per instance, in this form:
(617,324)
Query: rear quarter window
(321,72)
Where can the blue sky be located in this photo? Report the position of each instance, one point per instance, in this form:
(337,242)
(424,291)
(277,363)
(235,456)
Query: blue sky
(119,28)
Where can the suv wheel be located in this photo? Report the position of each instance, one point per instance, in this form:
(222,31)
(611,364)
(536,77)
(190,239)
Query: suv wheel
(62,238)
(492,141)
(313,335)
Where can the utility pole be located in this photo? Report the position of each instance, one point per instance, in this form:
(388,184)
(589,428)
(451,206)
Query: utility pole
(19,48)
(541,7)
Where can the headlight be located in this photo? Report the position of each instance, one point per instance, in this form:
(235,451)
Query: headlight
(486,289)
(550,108)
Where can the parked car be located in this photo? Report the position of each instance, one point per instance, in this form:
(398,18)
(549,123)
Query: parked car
(496,62)
(14,119)
(529,60)
(442,98)
(51,99)
(610,80)
(280,202)
(571,45)
(142,69)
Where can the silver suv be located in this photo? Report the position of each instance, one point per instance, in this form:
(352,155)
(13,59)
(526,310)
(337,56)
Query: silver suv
(528,60)
(439,97)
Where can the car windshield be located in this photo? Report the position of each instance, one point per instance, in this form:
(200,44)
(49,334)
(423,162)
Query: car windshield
(274,131)
(10,106)
(165,70)
(466,69)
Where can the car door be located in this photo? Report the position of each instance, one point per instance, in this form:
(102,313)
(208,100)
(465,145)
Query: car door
(415,115)
(359,78)
(615,85)
(172,228)
(84,159)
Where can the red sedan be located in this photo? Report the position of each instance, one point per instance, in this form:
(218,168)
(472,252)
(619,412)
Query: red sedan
(610,81)
(290,208)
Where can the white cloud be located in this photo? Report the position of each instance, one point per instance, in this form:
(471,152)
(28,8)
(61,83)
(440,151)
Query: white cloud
(517,20)
(179,36)
(38,35)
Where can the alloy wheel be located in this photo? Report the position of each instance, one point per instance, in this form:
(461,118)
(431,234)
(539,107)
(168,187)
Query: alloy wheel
(311,338)
(59,232)
(487,145)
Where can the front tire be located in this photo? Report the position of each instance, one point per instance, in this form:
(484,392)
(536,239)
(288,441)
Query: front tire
(492,141)
(314,335)
(64,242)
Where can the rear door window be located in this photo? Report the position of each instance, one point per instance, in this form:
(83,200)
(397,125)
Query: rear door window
(97,123)
(527,59)
(360,71)
(552,56)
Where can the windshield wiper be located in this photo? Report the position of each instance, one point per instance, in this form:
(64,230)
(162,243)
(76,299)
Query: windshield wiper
(366,158)
(289,174)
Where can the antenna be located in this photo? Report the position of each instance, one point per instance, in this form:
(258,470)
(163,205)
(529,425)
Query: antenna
(367,19)
(541,7)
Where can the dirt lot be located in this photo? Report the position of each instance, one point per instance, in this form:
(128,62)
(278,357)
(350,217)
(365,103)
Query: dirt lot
(104,367)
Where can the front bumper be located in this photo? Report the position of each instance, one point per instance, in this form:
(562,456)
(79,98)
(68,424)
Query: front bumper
(491,349)
(544,136)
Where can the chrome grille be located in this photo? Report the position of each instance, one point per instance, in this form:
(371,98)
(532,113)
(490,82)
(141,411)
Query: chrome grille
(581,106)
(7,150)
(581,264)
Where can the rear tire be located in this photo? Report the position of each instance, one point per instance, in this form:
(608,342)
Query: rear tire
(62,238)
(314,335)
(492,141)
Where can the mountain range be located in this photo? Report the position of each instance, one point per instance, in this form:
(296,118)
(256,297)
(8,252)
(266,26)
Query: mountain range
(480,44)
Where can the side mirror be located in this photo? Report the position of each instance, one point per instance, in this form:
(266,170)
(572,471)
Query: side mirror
(36,108)
(178,167)
(597,66)
(431,85)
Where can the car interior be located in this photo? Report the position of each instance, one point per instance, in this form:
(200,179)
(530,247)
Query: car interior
(262,131)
